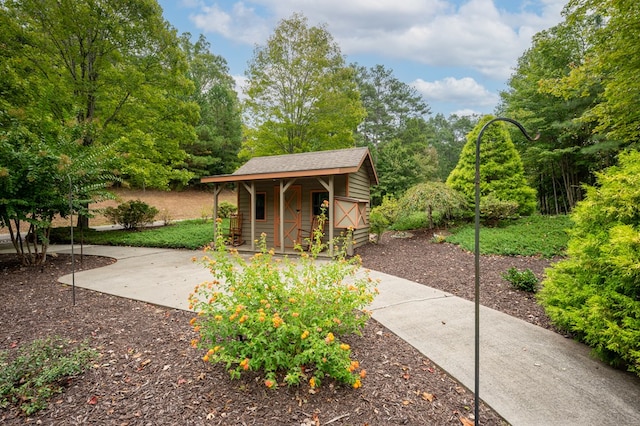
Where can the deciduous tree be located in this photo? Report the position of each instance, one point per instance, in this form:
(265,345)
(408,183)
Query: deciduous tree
(300,94)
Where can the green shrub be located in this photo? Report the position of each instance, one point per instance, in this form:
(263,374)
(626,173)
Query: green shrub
(225,209)
(389,208)
(493,209)
(33,375)
(595,292)
(131,214)
(412,220)
(521,280)
(377,223)
(281,317)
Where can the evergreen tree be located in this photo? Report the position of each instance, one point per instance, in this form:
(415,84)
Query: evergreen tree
(501,170)
(219,129)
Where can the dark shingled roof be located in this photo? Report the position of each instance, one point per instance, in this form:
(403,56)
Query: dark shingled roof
(340,158)
(340,161)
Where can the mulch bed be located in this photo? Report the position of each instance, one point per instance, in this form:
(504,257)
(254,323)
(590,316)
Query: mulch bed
(148,374)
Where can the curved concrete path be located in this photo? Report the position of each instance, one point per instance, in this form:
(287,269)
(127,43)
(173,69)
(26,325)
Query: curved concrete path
(531,376)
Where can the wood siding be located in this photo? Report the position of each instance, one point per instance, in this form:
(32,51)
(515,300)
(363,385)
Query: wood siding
(359,187)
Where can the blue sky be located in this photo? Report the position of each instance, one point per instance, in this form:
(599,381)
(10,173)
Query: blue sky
(458,54)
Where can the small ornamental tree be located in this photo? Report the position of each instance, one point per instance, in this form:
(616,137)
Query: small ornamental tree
(501,170)
(437,200)
(283,318)
(595,292)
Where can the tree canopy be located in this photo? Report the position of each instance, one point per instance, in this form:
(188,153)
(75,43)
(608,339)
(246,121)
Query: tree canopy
(115,69)
(389,103)
(610,63)
(219,129)
(300,94)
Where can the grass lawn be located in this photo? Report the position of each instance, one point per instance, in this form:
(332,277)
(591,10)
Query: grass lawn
(188,234)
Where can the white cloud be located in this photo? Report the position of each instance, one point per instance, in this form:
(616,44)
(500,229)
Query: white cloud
(241,23)
(241,82)
(465,112)
(464,33)
(465,91)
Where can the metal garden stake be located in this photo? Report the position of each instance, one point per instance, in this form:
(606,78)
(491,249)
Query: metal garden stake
(477,255)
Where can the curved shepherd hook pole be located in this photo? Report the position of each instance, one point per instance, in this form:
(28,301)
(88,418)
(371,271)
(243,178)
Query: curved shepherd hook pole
(477,255)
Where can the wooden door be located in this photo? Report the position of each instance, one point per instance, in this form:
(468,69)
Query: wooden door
(292,215)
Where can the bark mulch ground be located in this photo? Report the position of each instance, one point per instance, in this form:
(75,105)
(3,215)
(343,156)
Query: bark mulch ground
(148,374)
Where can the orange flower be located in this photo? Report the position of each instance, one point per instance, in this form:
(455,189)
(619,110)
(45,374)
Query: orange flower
(243,319)
(304,335)
(218,317)
(245,364)
(363,374)
(357,384)
(353,366)
(330,338)
(193,321)
(194,343)
(295,315)
(345,347)
(205,358)
(269,383)
(277,321)
(312,382)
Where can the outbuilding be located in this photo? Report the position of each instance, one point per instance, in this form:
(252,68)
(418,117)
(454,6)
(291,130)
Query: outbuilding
(280,195)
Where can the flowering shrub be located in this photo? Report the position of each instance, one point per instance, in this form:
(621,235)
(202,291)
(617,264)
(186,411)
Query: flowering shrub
(280,316)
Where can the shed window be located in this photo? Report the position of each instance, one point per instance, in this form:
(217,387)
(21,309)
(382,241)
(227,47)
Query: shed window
(317,198)
(261,206)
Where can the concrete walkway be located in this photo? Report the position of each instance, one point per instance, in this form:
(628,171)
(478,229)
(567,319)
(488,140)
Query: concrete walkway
(531,376)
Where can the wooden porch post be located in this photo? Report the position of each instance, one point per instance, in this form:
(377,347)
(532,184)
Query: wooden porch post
(331,214)
(252,208)
(281,225)
(217,189)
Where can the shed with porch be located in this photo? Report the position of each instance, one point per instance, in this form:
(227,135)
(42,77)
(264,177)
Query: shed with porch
(293,187)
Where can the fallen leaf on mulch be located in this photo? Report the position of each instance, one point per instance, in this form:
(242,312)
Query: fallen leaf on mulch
(428,396)
(466,422)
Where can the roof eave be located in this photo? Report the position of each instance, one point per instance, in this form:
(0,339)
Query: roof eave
(279,175)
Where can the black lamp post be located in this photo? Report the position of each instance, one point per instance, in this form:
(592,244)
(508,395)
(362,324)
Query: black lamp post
(477,256)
